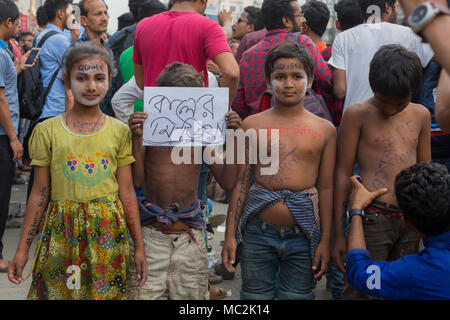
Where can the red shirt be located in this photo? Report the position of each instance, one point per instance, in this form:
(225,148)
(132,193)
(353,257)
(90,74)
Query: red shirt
(186,37)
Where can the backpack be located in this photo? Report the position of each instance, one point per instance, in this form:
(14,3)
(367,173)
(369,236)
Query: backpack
(32,94)
(426,96)
(313,102)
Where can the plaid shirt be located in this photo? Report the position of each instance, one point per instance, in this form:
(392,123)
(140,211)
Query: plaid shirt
(334,104)
(252,82)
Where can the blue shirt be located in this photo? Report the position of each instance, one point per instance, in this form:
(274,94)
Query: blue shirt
(85,37)
(424,276)
(51,58)
(8,81)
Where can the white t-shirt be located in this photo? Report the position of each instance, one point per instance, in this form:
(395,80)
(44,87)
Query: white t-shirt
(354,49)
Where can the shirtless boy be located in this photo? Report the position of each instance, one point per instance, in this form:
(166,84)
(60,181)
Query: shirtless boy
(282,240)
(386,134)
(171,215)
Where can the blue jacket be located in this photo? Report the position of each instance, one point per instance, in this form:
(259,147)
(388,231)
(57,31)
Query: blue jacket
(425,275)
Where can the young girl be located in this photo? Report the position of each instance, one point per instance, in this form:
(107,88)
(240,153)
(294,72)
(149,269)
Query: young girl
(82,163)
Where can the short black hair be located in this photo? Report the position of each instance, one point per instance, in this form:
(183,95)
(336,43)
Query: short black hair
(423,194)
(290,49)
(273,12)
(254,17)
(395,72)
(41,16)
(134,6)
(150,8)
(364,4)
(125,20)
(8,9)
(317,16)
(83,10)
(348,14)
(24,34)
(179,74)
(52,7)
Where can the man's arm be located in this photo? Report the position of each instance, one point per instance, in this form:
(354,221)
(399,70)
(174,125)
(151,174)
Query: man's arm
(442,107)
(348,138)
(7,125)
(325,187)
(424,143)
(323,77)
(139,75)
(339,83)
(123,100)
(230,73)
(434,33)
(226,22)
(378,279)
(136,124)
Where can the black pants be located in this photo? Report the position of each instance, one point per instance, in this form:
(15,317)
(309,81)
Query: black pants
(7,172)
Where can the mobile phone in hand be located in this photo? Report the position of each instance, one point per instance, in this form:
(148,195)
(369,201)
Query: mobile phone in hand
(33,54)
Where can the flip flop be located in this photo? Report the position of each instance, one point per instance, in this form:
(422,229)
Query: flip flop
(216,293)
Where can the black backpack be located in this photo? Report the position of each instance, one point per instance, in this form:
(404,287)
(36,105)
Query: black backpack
(32,94)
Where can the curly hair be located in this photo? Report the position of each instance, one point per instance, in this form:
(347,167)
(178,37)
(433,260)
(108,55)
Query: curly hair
(423,194)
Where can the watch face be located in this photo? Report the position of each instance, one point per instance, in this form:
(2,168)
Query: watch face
(419,14)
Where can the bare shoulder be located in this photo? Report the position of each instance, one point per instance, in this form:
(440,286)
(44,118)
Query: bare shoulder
(418,110)
(255,121)
(328,129)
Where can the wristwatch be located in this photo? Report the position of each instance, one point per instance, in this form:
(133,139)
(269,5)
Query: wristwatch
(355,212)
(425,13)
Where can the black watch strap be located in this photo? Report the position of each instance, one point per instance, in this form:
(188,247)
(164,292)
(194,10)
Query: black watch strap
(355,212)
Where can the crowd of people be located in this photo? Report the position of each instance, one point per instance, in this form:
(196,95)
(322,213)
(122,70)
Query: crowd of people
(360,127)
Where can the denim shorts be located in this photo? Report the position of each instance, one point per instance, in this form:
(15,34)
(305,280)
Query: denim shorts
(275,263)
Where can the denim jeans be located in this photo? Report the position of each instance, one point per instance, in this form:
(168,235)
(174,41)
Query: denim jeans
(275,263)
(444,161)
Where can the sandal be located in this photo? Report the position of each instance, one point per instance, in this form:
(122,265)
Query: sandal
(216,293)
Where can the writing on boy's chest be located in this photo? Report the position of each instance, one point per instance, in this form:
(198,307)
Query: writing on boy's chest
(403,136)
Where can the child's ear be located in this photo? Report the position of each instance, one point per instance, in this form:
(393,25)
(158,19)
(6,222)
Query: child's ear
(310,82)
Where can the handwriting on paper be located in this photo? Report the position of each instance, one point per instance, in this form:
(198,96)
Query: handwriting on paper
(185,116)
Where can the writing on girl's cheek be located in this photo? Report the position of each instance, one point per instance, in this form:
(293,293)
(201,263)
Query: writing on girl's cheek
(89,67)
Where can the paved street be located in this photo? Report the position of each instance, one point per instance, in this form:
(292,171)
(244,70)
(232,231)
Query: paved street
(9,291)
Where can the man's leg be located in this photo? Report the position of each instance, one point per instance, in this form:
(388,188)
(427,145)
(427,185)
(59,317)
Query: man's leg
(7,171)
(259,261)
(157,251)
(296,276)
(407,242)
(188,270)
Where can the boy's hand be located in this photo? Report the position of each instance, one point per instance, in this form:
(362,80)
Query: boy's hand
(321,259)
(16,267)
(229,254)
(360,197)
(233,120)
(339,251)
(141,267)
(136,123)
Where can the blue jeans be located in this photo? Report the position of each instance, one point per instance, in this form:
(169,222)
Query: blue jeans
(444,161)
(275,263)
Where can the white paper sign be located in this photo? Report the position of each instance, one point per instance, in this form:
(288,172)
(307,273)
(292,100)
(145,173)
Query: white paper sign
(185,116)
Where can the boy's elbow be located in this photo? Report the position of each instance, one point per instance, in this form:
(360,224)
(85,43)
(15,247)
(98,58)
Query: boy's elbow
(339,91)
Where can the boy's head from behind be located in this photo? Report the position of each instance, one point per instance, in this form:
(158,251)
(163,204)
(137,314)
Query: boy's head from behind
(179,74)
(423,194)
(289,71)
(395,76)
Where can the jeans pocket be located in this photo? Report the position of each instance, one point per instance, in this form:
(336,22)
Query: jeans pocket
(253,228)
(370,218)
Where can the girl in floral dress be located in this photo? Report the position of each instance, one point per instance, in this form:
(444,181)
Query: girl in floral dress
(82,161)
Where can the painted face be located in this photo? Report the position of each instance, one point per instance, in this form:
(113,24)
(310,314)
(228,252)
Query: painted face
(289,81)
(89,81)
(390,106)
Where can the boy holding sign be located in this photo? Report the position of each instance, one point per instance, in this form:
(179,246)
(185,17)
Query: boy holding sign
(171,215)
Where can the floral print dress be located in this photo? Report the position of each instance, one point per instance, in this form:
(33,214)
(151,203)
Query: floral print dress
(83,246)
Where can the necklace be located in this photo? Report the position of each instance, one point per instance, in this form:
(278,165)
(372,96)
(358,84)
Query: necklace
(93,128)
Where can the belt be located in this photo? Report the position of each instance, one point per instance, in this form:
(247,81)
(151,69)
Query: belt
(385,208)
(158,226)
